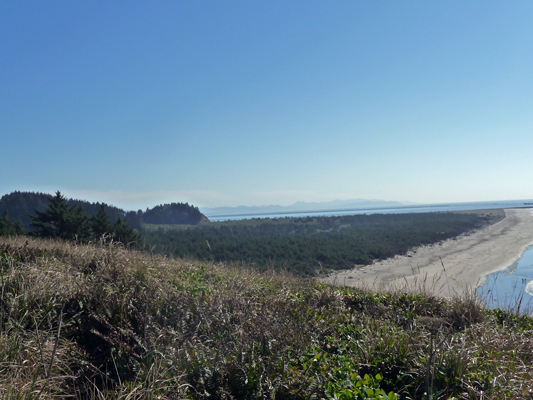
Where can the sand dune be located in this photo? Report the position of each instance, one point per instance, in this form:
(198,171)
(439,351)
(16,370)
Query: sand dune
(454,267)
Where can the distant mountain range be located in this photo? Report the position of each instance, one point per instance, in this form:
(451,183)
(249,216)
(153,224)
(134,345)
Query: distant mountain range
(301,206)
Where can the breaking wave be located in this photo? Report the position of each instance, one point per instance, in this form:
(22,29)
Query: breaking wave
(529,288)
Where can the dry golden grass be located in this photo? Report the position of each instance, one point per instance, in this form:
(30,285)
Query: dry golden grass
(103,322)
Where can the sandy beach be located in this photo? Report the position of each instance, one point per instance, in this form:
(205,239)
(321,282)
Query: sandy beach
(453,267)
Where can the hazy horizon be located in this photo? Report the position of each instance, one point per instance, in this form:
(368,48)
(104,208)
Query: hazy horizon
(267,102)
(149,202)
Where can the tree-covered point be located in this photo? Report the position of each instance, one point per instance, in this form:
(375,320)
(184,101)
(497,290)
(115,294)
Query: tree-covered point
(309,245)
(174,213)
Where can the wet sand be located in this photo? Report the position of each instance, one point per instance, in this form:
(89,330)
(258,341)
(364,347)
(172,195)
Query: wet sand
(452,268)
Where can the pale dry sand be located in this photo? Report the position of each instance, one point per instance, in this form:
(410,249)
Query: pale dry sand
(455,266)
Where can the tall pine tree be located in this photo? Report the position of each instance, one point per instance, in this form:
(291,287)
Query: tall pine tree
(61,221)
(125,234)
(100,224)
(78,226)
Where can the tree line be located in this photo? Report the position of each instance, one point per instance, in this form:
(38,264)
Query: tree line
(21,205)
(63,221)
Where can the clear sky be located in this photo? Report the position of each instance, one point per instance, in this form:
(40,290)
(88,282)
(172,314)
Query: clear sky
(225,103)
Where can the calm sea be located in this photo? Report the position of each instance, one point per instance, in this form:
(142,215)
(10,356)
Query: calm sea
(485,205)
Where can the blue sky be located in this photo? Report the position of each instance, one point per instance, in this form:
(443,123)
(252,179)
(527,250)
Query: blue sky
(226,103)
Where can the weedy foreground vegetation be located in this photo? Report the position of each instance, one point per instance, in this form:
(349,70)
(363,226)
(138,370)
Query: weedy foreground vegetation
(103,322)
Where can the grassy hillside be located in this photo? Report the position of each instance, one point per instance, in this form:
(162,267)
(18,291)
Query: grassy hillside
(88,322)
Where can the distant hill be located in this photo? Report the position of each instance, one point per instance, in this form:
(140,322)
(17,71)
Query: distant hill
(301,206)
(174,213)
(20,205)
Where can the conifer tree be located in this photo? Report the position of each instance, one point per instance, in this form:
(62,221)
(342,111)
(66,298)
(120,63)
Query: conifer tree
(5,224)
(9,227)
(124,233)
(78,224)
(61,221)
(100,224)
(53,221)
(17,227)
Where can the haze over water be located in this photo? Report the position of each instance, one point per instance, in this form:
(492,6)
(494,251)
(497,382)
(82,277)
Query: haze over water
(485,205)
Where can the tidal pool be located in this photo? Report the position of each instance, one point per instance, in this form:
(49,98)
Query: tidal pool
(512,288)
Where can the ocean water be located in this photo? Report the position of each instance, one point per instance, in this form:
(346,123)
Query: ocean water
(511,288)
(485,205)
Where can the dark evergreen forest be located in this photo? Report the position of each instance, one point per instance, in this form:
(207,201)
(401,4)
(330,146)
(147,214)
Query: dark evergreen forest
(21,205)
(61,221)
(313,244)
(175,213)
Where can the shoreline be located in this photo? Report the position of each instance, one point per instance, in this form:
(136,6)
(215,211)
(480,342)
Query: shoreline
(454,267)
